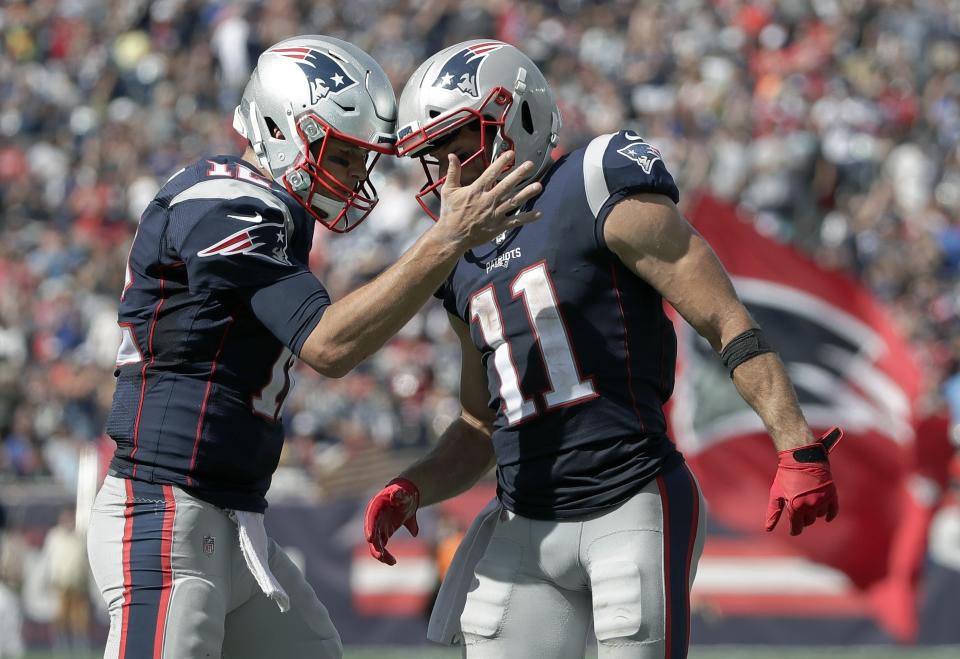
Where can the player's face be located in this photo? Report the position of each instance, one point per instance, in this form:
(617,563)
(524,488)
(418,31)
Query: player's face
(346,162)
(463,143)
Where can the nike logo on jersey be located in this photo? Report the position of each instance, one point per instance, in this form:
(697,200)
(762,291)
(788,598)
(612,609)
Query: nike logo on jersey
(256,218)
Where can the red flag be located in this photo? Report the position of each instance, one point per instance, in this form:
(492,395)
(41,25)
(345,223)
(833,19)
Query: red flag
(851,368)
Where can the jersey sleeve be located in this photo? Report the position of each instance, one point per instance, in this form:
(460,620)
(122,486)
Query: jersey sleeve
(621,164)
(235,242)
(447,296)
(291,308)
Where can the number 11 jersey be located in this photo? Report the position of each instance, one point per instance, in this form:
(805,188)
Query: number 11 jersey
(579,353)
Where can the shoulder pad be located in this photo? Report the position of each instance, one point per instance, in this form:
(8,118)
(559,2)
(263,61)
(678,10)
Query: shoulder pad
(621,164)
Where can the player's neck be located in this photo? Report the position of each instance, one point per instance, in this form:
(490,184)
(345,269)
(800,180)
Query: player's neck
(250,157)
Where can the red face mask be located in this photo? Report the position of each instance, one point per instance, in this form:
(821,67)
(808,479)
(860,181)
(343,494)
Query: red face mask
(361,198)
(497,104)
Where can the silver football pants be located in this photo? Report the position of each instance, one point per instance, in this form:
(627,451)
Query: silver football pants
(540,584)
(176,585)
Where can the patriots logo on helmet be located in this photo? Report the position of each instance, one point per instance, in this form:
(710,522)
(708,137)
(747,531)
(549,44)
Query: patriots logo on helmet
(641,153)
(268,241)
(459,72)
(324,73)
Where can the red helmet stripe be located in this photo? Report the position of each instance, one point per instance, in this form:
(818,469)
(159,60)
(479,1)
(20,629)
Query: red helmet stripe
(482,48)
(291,53)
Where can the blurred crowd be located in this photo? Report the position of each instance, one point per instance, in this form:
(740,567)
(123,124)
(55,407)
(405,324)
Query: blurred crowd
(835,123)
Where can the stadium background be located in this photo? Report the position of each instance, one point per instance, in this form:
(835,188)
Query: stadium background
(833,124)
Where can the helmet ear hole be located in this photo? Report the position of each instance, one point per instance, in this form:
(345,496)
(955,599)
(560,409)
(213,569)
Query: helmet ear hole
(526,119)
(434,114)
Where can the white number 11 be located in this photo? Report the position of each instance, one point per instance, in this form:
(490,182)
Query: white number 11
(540,300)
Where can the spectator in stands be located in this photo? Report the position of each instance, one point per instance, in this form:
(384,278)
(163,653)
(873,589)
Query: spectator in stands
(837,124)
(11,618)
(65,558)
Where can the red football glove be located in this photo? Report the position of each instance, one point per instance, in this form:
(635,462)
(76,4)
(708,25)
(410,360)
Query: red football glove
(804,486)
(392,507)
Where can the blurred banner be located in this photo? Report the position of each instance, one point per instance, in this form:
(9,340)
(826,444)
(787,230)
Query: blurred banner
(851,368)
(746,592)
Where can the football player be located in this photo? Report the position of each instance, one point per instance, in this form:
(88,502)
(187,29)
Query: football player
(567,359)
(218,304)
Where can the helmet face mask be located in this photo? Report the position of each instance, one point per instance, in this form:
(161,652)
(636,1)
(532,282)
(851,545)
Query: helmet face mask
(306,92)
(443,129)
(320,190)
(480,80)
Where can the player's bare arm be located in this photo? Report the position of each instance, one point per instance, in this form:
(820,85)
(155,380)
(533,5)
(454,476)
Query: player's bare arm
(464,452)
(653,239)
(461,456)
(356,326)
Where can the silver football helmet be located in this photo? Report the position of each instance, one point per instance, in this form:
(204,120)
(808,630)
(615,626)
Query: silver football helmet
(483,80)
(309,89)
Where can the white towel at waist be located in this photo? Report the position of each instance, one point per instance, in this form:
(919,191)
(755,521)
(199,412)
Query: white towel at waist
(253,545)
(444,626)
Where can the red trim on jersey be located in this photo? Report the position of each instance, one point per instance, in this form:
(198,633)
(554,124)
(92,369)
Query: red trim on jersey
(206,397)
(542,263)
(125,545)
(667,586)
(166,568)
(143,372)
(626,347)
(694,525)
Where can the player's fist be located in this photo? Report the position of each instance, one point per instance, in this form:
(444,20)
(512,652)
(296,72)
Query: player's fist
(392,507)
(803,486)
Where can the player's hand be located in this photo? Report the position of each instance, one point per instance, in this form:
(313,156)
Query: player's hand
(803,486)
(474,214)
(392,507)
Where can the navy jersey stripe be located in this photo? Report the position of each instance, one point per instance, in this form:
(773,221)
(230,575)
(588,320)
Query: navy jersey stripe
(147,568)
(143,372)
(206,398)
(681,510)
(166,569)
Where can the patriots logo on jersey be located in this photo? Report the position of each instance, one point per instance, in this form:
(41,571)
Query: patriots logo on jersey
(641,153)
(268,241)
(459,72)
(324,73)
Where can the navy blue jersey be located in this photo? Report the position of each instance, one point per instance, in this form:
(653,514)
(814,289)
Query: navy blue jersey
(217,302)
(579,354)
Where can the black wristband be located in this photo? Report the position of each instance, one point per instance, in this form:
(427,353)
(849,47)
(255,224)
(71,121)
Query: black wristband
(744,347)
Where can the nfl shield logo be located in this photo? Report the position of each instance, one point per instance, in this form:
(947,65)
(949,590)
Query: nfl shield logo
(208,545)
